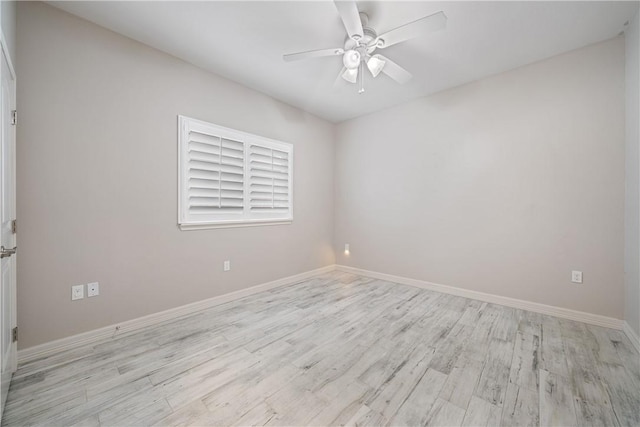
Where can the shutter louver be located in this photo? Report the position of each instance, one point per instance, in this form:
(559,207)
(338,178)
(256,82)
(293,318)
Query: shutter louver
(216,175)
(269,180)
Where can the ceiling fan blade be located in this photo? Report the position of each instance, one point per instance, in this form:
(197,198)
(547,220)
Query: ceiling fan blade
(428,24)
(394,71)
(312,54)
(350,18)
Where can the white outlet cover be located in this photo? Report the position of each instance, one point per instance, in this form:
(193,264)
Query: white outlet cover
(227,265)
(93,289)
(77,292)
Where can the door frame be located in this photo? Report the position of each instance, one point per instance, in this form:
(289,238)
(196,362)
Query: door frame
(14,350)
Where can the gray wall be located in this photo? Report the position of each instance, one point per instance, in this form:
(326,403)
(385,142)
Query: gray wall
(97,180)
(503,185)
(632,178)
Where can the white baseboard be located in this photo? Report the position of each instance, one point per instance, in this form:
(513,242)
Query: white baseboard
(565,313)
(633,337)
(74,341)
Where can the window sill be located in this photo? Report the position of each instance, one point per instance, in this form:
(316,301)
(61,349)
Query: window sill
(234,224)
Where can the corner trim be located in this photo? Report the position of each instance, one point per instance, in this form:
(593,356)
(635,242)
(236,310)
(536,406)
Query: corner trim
(631,334)
(89,337)
(564,313)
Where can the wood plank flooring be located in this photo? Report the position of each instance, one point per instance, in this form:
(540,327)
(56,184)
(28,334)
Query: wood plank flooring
(340,349)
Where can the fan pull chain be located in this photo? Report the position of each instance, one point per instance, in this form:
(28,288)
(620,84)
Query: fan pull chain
(361,75)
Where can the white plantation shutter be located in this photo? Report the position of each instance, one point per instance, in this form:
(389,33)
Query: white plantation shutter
(269,180)
(216,175)
(229,177)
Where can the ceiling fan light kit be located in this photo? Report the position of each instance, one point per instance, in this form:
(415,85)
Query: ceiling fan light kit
(362,42)
(350,75)
(351,59)
(375,65)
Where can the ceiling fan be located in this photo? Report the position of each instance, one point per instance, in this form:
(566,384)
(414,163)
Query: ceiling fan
(362,42)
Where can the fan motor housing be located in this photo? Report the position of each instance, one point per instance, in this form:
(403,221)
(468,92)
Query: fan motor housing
(369,35)
(365,45)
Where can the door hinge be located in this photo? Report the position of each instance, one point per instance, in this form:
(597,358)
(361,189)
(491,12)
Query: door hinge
(14,334)
(14,117)
(14,226)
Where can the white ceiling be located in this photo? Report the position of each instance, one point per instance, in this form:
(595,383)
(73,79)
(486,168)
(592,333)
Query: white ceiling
(244,41)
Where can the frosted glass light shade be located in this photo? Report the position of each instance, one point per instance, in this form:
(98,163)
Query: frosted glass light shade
(375,65)
(351,59)
(350,75)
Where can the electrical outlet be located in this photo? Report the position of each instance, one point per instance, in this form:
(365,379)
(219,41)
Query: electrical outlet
(576,276)
(93,289)
(346,248)
(77,292)
(227,266)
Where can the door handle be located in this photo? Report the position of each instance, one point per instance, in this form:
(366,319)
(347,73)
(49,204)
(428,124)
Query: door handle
(7,252)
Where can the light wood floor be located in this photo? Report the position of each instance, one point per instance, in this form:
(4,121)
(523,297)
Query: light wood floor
(341,349)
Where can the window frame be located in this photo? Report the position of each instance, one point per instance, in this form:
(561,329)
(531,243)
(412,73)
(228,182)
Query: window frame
(246,218)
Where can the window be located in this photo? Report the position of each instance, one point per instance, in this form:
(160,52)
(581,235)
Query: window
(230,178)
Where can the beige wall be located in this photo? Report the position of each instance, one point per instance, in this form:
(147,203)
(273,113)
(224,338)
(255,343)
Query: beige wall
(632,177)
(503,185)
(97,180)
